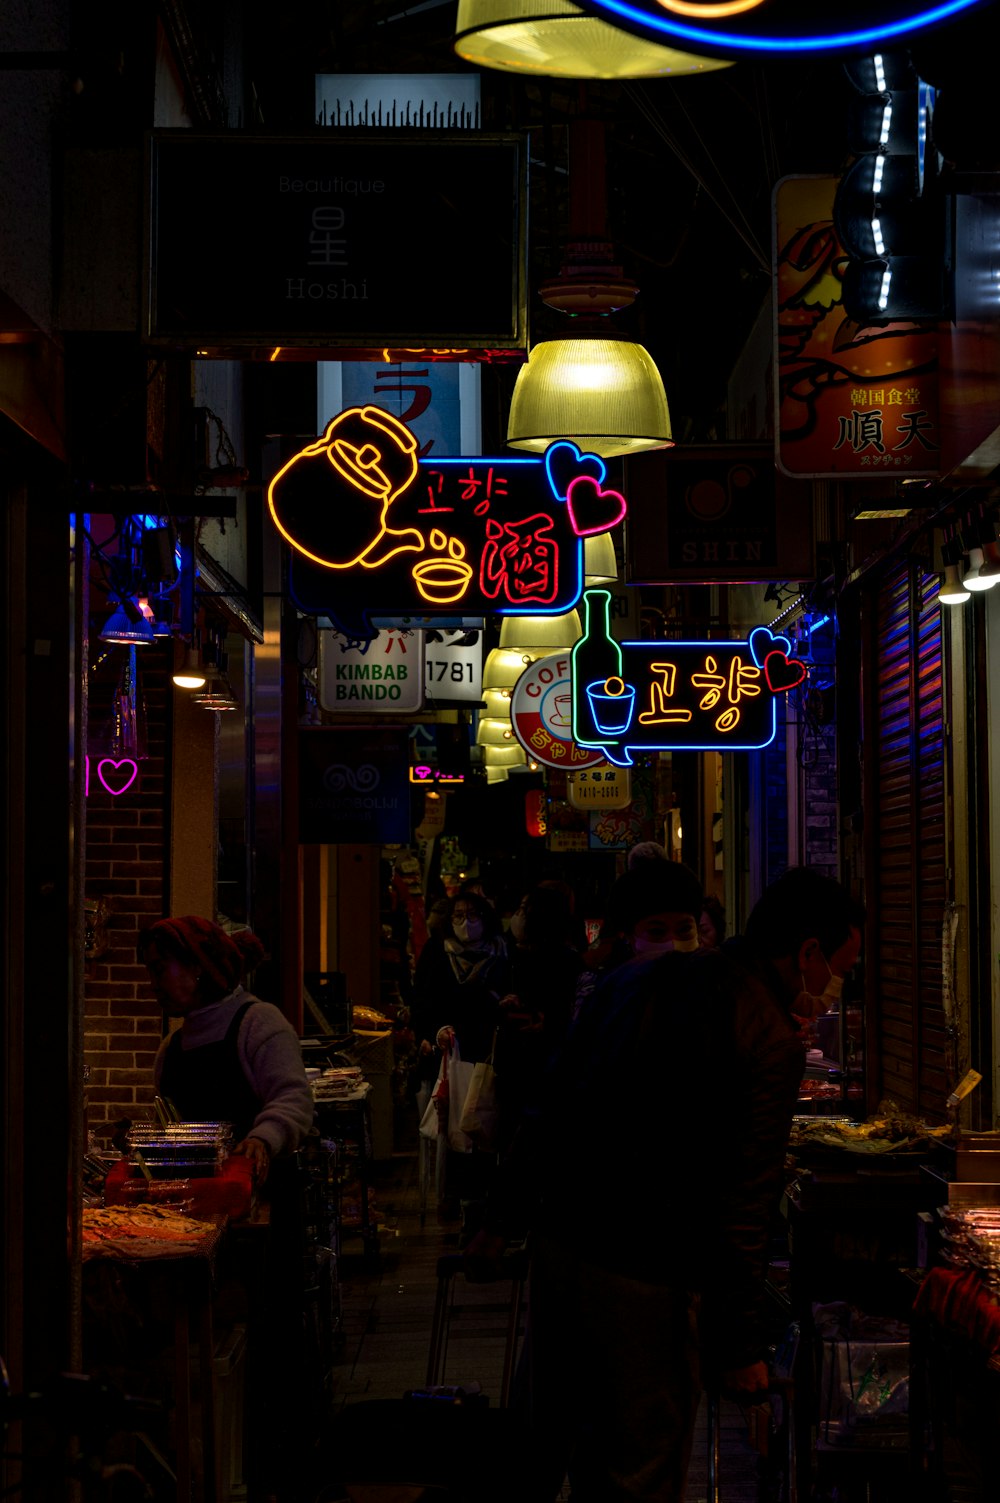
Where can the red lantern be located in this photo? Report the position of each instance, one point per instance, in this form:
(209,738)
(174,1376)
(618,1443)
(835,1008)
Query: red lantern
(535,813)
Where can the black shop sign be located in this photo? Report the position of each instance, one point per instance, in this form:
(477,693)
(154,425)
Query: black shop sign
(354,786)
(336,241)
(716,514)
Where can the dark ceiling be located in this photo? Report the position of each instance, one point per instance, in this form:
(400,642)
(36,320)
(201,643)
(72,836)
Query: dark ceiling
(692,164)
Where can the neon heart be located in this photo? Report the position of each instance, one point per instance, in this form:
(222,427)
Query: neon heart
(762,640)
(564,462)
(110,762)
(592,509)
(783,673)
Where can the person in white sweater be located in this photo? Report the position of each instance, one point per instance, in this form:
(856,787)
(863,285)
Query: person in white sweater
(234,1058)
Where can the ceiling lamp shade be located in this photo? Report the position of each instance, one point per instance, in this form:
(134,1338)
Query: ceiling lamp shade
(541,634)
(604,394)
(494,731)
(127,626)
(504,666)
(497,703)
(558,40)
(496,775)
(600,564)
(509,755)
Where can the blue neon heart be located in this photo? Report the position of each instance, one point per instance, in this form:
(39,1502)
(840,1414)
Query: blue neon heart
(762,641)
(564,462)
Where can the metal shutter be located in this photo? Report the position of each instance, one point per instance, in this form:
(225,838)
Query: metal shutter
(907,865)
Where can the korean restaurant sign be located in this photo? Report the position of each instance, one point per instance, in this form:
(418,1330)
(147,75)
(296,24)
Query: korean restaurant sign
(387,677)
(849,401)
(715,695)
(719,513)
(541,714)
(376,531)
(337,241)
(747,28)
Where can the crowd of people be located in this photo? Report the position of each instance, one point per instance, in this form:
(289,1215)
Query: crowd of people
(607,1060)
(652,1072)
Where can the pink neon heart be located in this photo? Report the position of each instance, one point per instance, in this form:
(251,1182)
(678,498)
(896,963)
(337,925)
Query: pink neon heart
(110,762)
(592,509)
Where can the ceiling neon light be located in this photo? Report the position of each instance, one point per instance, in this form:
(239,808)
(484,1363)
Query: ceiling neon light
(649,20)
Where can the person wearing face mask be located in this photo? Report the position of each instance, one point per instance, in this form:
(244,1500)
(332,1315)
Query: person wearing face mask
(462,973)
(679,1078)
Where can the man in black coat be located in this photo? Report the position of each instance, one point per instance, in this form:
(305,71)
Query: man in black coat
(656,1166)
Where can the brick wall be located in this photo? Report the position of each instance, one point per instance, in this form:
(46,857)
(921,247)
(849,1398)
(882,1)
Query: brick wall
(126,864)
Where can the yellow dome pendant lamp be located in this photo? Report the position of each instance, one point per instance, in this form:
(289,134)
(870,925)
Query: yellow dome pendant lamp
(599,390)
(555,39)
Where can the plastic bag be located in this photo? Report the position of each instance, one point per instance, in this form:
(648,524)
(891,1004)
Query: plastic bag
(480,1118)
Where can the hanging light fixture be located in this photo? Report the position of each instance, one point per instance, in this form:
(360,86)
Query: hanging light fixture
(495,731)
(984,556)
(512,755)
(604,394)
(218,692)
(497,703)
(596,388)
(504,666)
(190,674)
(540,635)
(127,626)
(951,590)
(559,40)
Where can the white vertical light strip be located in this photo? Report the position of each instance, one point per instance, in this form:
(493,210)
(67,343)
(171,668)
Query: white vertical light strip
(992,817)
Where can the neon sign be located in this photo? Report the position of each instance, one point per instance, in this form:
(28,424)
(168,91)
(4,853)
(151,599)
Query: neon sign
(375,530)
(422,773)
(122,772)
(738,27)
(681,696)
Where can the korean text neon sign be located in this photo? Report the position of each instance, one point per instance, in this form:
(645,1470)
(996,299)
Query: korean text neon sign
(680,696)
(377,531)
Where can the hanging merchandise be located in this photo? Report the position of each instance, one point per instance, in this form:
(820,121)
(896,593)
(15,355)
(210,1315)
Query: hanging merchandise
(128,738)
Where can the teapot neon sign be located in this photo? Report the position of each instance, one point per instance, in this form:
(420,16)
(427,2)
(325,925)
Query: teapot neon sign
(376,531)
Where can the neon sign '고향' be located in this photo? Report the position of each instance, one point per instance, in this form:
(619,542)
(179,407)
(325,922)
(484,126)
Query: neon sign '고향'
(680,696)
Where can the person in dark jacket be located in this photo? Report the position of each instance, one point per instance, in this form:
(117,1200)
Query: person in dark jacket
(665,1120)
(462,973)
(536,1013)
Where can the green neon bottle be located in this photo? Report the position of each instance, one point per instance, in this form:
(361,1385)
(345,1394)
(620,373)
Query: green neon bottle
(597,657)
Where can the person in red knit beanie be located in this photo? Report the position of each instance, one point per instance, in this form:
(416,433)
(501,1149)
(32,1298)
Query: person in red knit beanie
(234,1058)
